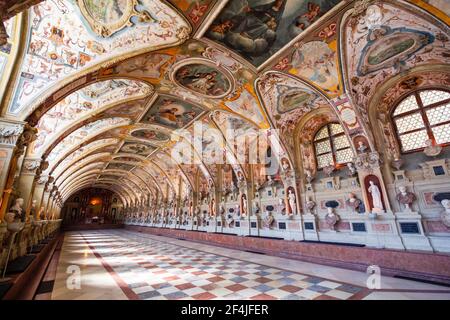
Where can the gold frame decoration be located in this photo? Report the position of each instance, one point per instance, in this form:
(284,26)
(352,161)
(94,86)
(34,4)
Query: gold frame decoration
(106,29)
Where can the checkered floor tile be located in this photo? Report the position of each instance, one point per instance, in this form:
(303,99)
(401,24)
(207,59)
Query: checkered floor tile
(153,269)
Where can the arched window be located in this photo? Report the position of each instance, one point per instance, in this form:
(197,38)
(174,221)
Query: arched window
(332,146)
(421,116)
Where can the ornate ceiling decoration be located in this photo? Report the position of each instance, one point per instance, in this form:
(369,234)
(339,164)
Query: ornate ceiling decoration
(116,90)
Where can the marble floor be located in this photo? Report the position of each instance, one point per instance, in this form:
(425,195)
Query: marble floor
(119,264)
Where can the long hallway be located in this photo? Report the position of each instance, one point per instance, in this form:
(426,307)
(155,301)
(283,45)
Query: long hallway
(119,264)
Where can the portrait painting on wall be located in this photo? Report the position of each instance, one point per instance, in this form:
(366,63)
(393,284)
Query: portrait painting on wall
(203,79)
(171,112)
(257,29)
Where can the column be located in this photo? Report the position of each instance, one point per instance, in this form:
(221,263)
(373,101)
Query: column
(38,194)
(14,137)
(28,178)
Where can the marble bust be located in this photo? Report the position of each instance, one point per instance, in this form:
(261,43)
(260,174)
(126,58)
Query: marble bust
(310,205)
(17,209)
(405,197)
(268,220)
(353,202)
(431,150)
(361,147)
(445,215)
(331,218)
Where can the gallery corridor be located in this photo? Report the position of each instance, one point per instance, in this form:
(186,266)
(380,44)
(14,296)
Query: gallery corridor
(120,264)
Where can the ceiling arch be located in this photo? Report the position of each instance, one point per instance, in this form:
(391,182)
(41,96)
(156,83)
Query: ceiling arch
(119,100)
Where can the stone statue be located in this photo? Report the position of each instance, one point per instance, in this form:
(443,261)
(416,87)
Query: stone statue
(244,206)
(376,196)
(281,206)
(233,189)
(230,220)
(41,214)
(222,210)
(405,197)
(309,176)
(331,218)
(285,164)
(237,210)
(257,208)
(353,202)
(17,210)
(33,209)
(310,205)
(271,183)
(431,150)
(292,202)
(445,215)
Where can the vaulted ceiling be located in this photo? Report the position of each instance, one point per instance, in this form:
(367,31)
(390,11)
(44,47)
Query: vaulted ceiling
(111,84)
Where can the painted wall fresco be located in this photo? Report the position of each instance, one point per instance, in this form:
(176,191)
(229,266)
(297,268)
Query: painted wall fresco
(317,62)
(151,135)
(106,12)
(82,151)
(246,104)
(203,79)
(83,133)
(171,112)
(61,44)
(372,55)
(257,29)
(287,100)
(137,148)
(119,166)
(195,10)
(83,102)
(442,5)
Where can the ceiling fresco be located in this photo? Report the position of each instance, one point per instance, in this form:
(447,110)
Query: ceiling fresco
(171,112)
(257,29)
(60,42)
(116,88)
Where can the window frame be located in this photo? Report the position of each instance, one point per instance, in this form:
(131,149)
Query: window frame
(422,111)
(333,148)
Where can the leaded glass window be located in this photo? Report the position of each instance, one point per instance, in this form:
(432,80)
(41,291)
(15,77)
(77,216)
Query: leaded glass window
(332,146)
(421,116)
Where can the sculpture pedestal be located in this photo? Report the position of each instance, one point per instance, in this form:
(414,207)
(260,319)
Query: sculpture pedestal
(194,224)
(230,227)
(278,228)
(202,225)
(23,240)
(188,225)
(411,231)
(310,227)
(172,223)
(212,225)
(3,249)
(242,226)
(294,228)
(381,231)
(255,225)
(220,222)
